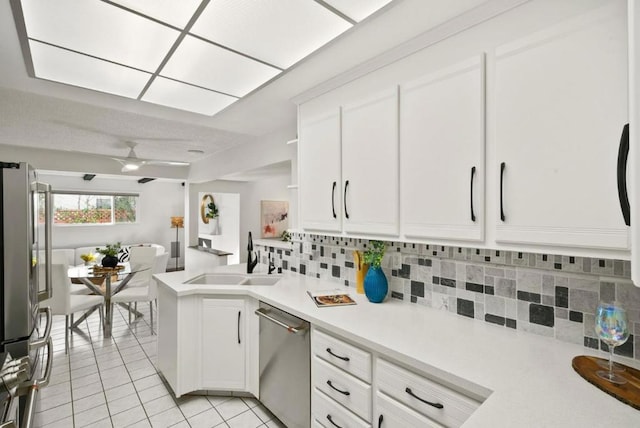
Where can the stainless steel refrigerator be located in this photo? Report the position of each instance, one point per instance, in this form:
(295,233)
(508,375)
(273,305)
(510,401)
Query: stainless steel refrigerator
(25,279)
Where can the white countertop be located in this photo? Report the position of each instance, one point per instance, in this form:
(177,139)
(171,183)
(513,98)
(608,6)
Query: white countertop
(528,379)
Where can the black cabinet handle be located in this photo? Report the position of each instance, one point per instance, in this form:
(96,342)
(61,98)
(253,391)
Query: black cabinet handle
(330,419)
(239,312)
(346,186)
(436,405)
(473,174)
(337,356)
(623,154)
(336,389)
(333,199)
(502,167)
(380,421)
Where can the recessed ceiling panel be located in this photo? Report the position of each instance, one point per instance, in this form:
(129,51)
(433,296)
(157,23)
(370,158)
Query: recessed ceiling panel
(185,97)
(59,65)
(204,64)
(357,9)
(99,29)
(280,32)
(176,13)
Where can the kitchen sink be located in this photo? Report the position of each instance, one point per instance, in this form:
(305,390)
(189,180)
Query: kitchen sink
(217,279)
(261,280)
(230,279)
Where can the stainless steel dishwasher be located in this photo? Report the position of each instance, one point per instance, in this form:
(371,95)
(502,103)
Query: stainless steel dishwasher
(285,366)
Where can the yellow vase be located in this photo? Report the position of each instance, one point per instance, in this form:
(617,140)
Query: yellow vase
(361,271)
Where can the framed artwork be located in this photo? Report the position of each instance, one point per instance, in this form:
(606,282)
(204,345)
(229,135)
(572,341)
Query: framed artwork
(274,218)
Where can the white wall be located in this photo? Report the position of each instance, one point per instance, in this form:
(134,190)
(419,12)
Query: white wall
(268,150)
(228,237)
(158,201)
(251,193)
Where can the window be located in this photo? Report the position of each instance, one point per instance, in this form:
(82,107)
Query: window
(87,208)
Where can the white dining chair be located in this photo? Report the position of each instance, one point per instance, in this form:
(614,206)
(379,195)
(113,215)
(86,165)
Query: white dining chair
(62,302)
(59,257)
(142,260)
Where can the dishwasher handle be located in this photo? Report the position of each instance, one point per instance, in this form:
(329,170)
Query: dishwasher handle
(264,313)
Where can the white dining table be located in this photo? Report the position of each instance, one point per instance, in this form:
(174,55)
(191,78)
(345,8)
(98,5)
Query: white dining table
(85,274)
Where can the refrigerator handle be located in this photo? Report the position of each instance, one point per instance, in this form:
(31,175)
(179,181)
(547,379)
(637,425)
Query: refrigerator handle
(48,221)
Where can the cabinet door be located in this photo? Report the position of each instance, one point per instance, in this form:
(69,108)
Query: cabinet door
(370,164)
(392,414)
(223,344)
(561,104)
(442,153)
(320,185)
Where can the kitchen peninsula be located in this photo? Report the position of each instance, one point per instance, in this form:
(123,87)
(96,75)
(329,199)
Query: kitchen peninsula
(512,374)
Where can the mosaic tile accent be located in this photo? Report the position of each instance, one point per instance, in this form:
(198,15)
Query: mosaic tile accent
(545,294)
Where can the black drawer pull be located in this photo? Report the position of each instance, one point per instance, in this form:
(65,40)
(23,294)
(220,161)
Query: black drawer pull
(502,167)
(336,389)
(473,173)
(333,199)
(333,423)
(436,405)
(346,186)
(380,421)
(337,356)
(623,154)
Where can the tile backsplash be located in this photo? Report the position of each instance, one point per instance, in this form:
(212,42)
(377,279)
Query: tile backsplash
(545,294)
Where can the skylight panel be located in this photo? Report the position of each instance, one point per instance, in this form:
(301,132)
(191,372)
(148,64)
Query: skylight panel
(185,97)
(173,12)
(279,32)
(59,65)
(99,29)
(204,64)
(357,9)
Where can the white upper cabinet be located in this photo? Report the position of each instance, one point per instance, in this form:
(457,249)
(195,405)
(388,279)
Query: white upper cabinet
(370,164)
(320,166)
(561,105)
(442,153)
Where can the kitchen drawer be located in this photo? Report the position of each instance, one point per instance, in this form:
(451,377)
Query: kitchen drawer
(332,414)
(400,384)
(316,424)
(341,354)
(392,414)
(342,387)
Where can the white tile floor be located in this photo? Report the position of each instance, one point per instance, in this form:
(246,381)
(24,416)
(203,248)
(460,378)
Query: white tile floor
(114,383)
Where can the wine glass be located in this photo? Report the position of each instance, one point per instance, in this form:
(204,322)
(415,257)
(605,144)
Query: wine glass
(612,327)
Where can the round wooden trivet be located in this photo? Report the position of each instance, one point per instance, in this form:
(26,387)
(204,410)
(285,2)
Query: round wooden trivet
(628,393)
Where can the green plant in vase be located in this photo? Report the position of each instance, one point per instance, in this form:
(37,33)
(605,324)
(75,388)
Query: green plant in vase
(212,210)
(110,254)
(375,282)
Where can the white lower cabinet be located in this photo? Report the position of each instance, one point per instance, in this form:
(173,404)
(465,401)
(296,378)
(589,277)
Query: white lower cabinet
(384,395)
(208,343)
(333,414)
(223,355)
(431,399)
(392,414)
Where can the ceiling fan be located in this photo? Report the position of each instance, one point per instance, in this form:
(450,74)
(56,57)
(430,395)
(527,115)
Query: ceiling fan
(132,162)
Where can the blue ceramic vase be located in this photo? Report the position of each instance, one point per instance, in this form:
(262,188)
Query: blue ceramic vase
(375,285)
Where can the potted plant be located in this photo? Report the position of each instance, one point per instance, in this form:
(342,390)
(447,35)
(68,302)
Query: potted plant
(110,254)
(375,282)
(213,214)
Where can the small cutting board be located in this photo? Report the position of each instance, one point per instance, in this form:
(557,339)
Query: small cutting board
(628,393)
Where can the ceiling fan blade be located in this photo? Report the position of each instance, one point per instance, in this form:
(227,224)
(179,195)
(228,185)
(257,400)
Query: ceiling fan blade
(161,162)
